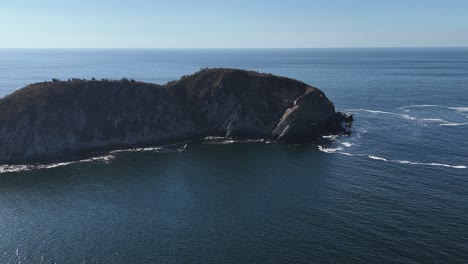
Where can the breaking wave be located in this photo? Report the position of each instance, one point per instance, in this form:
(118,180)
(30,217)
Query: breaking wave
(383,112)
(453,124)
(329,150)
(419,163)
(18,168)
(423,120)
(459,109)
(373,157)
(221,142)
(433,120)
(331,137)
(138,149)
(377,158)
(110,157)
(416,106)
(408,117)
(224,140)
(373,111)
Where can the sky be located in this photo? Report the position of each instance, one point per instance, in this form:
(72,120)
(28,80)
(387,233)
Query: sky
(233,23)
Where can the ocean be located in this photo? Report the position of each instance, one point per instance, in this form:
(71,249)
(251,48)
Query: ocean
(394,191)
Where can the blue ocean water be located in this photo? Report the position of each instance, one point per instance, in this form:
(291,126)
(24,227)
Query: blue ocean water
(395,191)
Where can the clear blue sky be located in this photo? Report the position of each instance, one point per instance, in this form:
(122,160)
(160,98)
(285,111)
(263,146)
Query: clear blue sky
(232,24)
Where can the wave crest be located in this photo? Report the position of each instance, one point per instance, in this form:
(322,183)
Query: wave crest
(19,168)
(417,106)
(460,109)
(453,124)
(373,157)
(329,150)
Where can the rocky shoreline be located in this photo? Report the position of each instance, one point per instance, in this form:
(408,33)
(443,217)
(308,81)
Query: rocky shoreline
(60,120)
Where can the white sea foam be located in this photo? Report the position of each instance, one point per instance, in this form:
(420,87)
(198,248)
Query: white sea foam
(418,163)
(423,120)
(224,140)
(453,124)
(329,150)
(373,157)
(349,154)
(220,142)
(138,149)
(250,141)
(18,168)
(347,144)
(13,168)
(404,116)
(152,149)
(417,106)
(338,151)
(459,109)
(431,164)
(332,137)
(214,138)
(433,120)
(449,166)
(372,111)
(408,117)
(377,158)
(378,112)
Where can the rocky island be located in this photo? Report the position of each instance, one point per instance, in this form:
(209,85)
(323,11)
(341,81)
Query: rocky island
(60,119)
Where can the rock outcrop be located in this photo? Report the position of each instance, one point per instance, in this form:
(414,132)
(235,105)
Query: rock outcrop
(54,120)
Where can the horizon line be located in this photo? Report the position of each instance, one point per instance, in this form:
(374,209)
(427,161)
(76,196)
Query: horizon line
(231,48)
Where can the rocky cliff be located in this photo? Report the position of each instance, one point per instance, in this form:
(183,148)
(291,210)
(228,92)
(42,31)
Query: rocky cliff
(53,120)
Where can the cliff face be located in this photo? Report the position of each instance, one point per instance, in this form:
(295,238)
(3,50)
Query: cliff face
(51,120)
